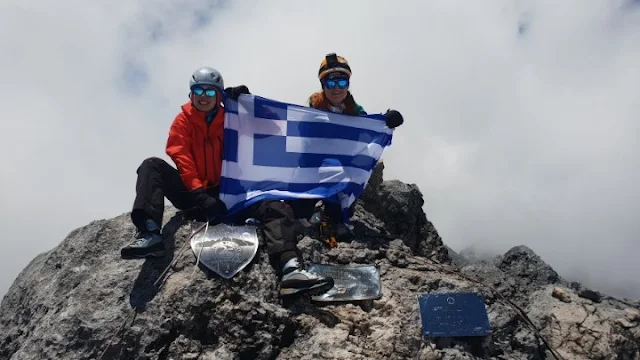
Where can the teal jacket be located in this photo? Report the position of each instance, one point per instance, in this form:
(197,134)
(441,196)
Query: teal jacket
(360,110)
(335,109)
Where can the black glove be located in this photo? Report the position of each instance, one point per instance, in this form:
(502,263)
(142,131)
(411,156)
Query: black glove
(234,92)
(394,118)
(208,204)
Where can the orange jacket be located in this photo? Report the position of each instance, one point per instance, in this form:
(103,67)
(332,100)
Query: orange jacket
(196,147)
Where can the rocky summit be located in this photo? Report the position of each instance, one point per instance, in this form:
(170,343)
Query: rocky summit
(77,301)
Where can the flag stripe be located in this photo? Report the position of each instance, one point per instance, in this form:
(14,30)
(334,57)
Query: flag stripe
(270,150)
(239,187)
(230,146)
(331,146)
(269,109)
(234,170)
(335,131)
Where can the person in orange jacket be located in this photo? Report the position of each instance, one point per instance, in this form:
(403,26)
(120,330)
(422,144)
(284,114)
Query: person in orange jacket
(195,145)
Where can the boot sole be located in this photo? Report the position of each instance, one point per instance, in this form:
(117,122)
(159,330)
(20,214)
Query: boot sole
(155,254)
(311,291)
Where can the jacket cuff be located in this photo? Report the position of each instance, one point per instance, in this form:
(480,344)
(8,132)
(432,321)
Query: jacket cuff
(193,184)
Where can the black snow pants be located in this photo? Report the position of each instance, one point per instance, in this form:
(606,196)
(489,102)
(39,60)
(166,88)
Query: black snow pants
(157,180)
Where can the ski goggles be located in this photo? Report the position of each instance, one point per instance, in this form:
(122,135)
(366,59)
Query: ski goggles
(197,90)
(341,84)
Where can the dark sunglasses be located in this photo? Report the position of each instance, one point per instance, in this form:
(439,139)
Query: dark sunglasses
(196,90)
(342,84)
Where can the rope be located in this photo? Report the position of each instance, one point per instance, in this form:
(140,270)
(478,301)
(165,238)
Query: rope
(513,305)
(179,253)
(199,253)
(133,311)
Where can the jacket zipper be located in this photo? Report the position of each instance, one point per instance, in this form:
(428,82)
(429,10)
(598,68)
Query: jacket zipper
(205,158)
(207,141)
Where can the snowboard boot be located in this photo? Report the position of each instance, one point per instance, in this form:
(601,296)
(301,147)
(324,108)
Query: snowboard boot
(296,280)
(148,243)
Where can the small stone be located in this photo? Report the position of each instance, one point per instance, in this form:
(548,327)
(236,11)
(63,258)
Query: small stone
(428,352)
(591,309)
(343,258)
(392,256)
(626,324)
(632,314)
(561,295)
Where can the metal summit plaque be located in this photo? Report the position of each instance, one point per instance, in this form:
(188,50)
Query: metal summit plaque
(225,249)
(351,282)
(453,315)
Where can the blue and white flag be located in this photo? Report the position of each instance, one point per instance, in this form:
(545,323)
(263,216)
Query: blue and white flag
(275,150)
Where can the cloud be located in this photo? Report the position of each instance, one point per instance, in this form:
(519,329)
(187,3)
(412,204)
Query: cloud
(521,117)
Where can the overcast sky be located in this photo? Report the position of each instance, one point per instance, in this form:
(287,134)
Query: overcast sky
(521,117)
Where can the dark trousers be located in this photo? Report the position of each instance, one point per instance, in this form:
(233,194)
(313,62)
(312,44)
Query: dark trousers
(278,223)
(157,180)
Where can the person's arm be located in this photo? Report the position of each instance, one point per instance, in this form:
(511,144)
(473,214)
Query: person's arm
(179,149)
(234,93)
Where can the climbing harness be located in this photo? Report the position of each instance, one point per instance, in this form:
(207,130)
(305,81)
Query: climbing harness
(326,232)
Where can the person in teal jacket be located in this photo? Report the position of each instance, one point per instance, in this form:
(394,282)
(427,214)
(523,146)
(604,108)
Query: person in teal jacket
(335,75)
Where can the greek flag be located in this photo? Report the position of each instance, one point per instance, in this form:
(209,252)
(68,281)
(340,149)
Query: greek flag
(275,150)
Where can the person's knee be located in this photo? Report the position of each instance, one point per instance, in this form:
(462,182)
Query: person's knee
(278,209)
(150,163)
(153,161)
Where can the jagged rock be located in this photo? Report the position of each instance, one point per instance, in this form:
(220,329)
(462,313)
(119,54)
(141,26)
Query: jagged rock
(399,207)
(590,294)
(522,262)
(581,331)
(373,185)
(68,303)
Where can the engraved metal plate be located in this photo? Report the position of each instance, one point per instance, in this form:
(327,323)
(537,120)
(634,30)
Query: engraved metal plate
(225,249)
(351,282)
(453,315)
